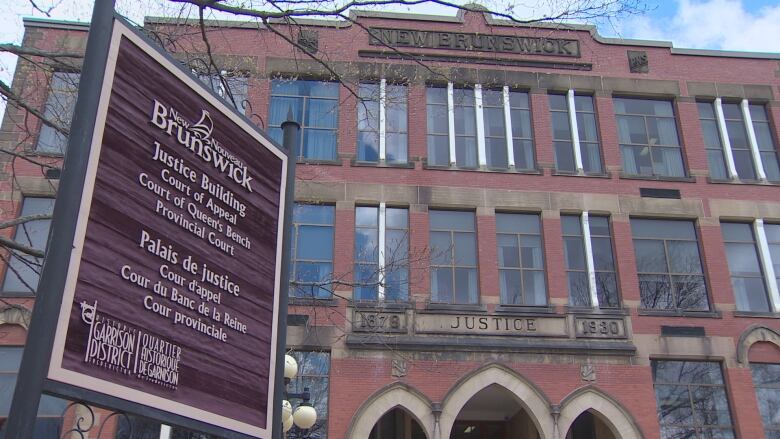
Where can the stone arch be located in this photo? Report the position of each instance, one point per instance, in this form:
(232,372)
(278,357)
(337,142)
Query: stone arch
(590,398)
(531,399)
(15,315)
(754,334)
(394,395)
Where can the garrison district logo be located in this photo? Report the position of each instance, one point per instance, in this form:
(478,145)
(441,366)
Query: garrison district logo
(130,351)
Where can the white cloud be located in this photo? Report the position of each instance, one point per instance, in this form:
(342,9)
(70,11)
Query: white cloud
(712,24)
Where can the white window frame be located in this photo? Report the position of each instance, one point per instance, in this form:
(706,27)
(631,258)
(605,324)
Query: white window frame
(758,163)
(766,264)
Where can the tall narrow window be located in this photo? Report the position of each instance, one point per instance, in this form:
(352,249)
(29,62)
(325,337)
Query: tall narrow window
(465,128)
(381,275)
(669,265)
(60,103)
(24,271)
(577,253)
(773,242)
(396,124)
(368,122)
(766,380)
(585,130)
(453,247)
(313,374)
(520,259)
(520,111)
(438,127)
(495,129)
(648,138)
(382,132)
(692,400)
(314,105)
(747,279)
(712,141)
(312,251)
(765,142)
(738,138)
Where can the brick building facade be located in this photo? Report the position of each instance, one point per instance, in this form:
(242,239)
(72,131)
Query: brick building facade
(500,231)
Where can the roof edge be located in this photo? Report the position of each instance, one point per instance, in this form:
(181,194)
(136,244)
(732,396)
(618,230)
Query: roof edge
(459,18)
(55,24)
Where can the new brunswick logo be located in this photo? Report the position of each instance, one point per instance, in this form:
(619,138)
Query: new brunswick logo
(120,348)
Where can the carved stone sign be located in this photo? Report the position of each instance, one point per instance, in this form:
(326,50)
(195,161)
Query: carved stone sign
(524,45)
(465,324)
(375,321)
(600,328)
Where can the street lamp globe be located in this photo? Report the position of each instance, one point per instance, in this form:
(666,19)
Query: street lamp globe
(287,425)
(305,416)
(290,367)
(286,410)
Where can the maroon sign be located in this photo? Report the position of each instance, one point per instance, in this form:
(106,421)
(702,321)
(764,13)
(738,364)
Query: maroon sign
(172,294)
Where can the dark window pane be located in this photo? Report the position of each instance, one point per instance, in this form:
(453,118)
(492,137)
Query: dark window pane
(23,270)
(684,257)
(564,157)
(579,289)
(574,253)
(655,292)
(606,290)
(650,256)
(438,150)
(511,290)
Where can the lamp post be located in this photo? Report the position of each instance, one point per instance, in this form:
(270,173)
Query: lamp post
(305,415)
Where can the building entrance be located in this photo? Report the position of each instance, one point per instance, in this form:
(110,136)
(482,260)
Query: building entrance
(493,413)
(397,424)
(589,426)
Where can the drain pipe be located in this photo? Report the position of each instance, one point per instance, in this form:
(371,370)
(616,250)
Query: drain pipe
(436,410)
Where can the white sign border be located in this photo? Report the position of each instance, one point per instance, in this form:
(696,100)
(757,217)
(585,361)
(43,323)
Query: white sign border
(56,371)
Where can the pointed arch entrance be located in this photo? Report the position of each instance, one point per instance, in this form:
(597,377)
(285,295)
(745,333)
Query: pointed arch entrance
(589,413)
(492,401)
(397,424)
(397,396)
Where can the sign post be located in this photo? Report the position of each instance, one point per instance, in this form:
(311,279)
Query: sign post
(161,290)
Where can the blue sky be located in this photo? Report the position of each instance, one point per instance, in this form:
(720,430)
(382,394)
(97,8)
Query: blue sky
(747,25)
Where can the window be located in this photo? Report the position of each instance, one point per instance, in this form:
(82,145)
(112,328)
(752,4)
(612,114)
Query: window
(576,145)
(747,279)
(59,108)
(669,265)
(453,244)
(772,232)
(692,401)
(229,86)
(495,129)
(438,127)
(24,271)
(377,141)
(314,105)
(648,138)
(465,128)
(520,111)
(520,259)
(49,409)
(468,127)
(312,251)
(313,373)
(712,141)
(381,275)
(739,141)
(597,247)
(766,380)
(765,144)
